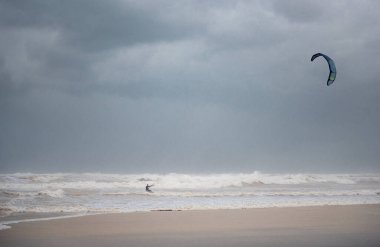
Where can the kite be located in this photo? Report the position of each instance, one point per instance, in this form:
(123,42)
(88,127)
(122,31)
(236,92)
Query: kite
(331,64)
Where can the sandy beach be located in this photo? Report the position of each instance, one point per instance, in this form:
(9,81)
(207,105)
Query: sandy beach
(299,226)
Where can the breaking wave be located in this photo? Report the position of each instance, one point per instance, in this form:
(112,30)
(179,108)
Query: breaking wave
(74,193)
(25,181)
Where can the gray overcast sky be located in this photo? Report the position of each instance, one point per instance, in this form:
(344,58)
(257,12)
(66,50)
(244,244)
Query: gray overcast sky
(189,86)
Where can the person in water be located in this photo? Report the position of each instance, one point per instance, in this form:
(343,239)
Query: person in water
(147,187)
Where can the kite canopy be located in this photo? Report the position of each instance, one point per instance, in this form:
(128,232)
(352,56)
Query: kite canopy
(331,64)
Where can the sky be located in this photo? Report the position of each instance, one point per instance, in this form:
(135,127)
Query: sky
(189,86)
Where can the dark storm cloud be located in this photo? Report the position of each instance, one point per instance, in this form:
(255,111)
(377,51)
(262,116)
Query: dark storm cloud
(92,25)
(188,86)
(301,11)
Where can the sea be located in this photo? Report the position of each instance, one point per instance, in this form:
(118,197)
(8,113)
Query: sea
(31,196)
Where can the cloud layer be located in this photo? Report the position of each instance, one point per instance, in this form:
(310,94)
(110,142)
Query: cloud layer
(201,86)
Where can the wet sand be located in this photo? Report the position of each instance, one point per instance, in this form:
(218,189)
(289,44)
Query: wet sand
(299,226)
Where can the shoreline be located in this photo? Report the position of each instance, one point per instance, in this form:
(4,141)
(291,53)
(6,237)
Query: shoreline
(7,222)
(335,225)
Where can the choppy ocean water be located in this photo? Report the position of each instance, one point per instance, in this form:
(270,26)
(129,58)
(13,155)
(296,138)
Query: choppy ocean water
(70,194)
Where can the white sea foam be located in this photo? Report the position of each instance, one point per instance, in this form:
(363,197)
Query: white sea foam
(72,193)
(169,181)
(6,224)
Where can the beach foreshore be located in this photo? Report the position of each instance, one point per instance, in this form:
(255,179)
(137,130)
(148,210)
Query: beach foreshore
(355,225)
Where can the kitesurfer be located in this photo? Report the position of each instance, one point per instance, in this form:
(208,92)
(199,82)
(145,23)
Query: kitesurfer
(147,187)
